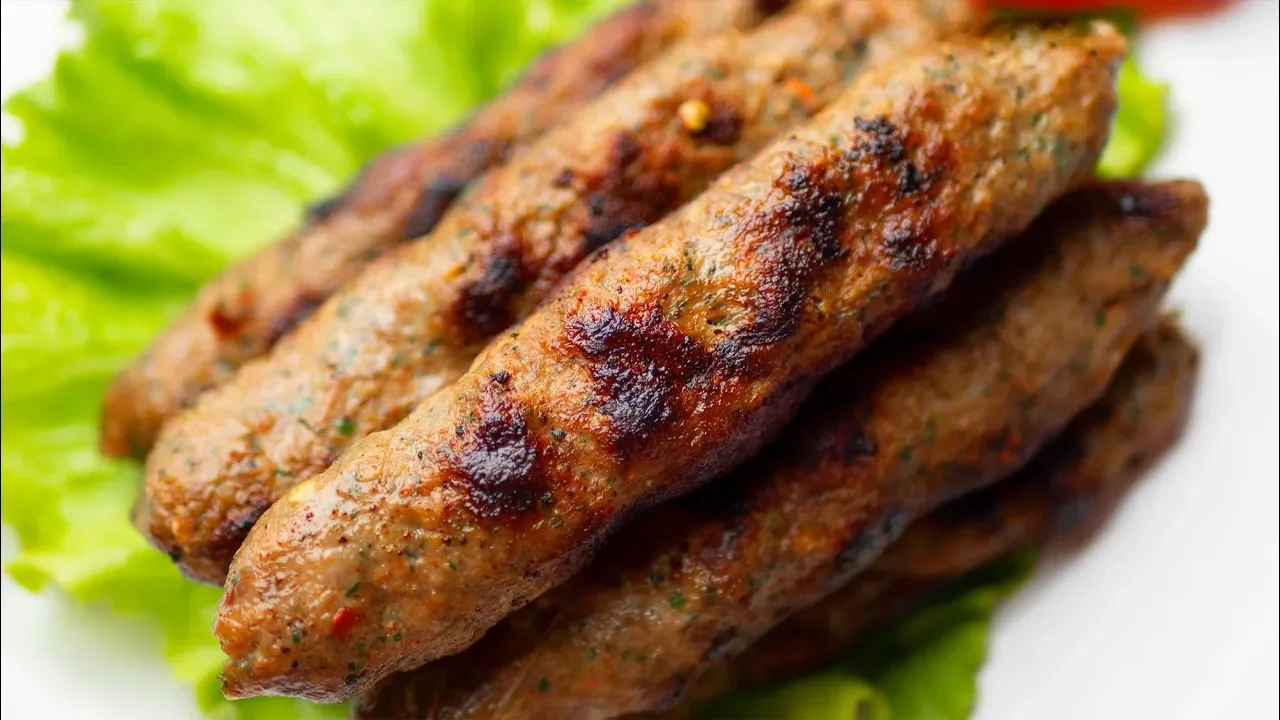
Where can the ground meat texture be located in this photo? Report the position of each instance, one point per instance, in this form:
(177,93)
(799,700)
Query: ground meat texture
(414,322)
(1064,495)
(399,196)
(1065,492)
(955,399)
(669,357)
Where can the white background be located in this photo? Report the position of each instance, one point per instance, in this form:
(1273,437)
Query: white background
(1171,613)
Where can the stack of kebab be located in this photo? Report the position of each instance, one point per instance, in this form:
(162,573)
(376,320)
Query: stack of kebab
(413,322)
(678,351)
(398,198)
(1065,492)
(664,361)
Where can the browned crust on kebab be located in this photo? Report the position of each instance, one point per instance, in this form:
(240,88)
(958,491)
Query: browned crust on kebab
(416,321)
(1067,490)
(1066,493)
(957,398)
(399,196)
(671,357)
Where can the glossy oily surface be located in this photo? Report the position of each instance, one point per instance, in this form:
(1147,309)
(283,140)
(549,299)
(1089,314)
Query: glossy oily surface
(786,267)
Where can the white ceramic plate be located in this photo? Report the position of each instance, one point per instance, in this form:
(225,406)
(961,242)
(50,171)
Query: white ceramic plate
(1171,613)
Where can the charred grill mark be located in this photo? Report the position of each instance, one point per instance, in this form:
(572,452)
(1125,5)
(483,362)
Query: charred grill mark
(793,240)
(815,210)
(885,142)
(303,306)
(910,179)
(638,362)
(493,464)
(227,537)
(485,305)
(908,242)
(636,187)
(907,245)
(434,199)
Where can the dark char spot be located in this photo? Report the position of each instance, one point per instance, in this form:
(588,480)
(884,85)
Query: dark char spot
(907,245)
(434,200)
(635,187)
(484,307)
(228,536)
(495,458)
(792,240)
(638,363)
(885,142)
(910,180)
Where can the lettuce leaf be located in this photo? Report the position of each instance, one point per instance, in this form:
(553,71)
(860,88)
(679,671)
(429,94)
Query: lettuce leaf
(176,137)
(180,135)
(1139,130)
(922,667)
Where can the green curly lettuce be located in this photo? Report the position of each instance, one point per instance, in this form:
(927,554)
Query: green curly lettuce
(1138,133)
(177,136)
(922,667)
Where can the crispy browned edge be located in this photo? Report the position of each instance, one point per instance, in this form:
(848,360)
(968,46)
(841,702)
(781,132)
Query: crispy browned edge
(398,197)
(1178,204)
(622,163)
(600,328)
(1065,495)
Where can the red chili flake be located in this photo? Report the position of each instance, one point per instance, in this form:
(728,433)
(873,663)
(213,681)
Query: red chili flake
(801,91)
(344,621)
